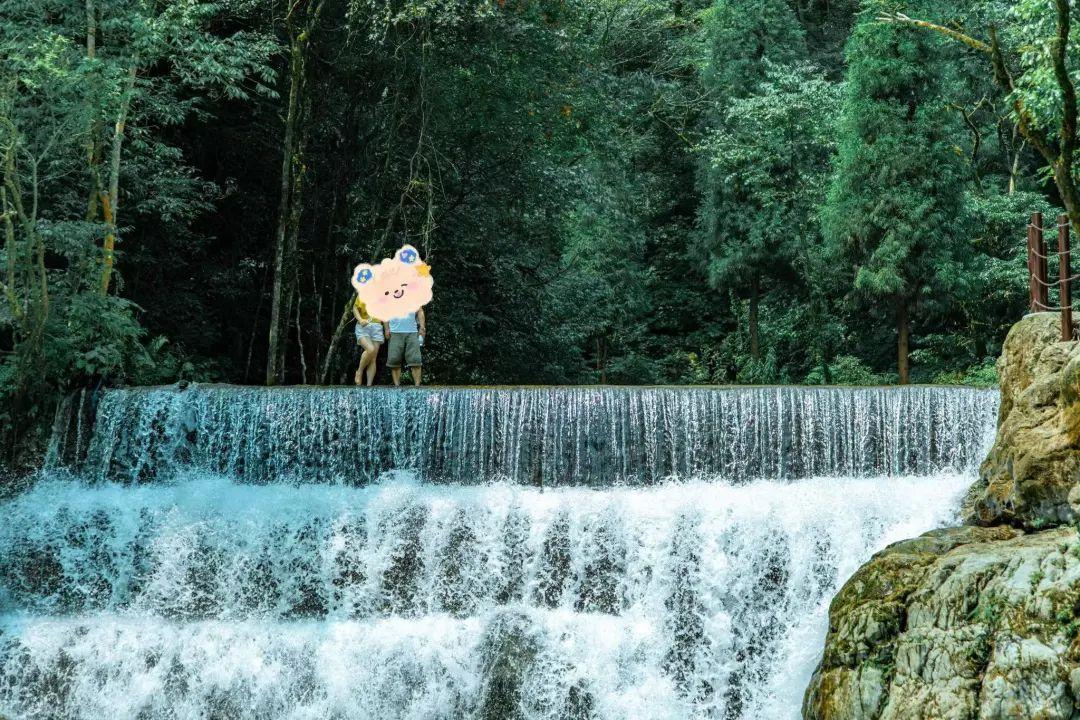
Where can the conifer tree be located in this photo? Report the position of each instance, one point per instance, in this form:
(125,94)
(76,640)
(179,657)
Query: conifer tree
(748,40)
(891,217)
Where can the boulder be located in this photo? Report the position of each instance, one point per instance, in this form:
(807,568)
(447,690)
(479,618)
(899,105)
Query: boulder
(1034,465)
(961,623)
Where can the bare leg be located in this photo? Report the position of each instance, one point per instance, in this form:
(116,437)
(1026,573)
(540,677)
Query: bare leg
(368,356)
(395,373)
(415,370)
(371,365)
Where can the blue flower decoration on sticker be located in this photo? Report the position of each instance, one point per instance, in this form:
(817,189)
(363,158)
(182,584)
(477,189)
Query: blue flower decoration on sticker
(407,256)
(363,276)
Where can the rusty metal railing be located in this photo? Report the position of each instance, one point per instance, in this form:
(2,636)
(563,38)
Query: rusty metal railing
(1039,284)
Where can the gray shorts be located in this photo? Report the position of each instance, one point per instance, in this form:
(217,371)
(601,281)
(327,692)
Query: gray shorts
(372,331)
(403,347)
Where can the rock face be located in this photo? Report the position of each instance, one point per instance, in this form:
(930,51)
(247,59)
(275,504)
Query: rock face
(1035,462)
(979,621)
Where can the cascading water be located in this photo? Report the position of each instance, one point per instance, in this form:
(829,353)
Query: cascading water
(543,437)
(636,554)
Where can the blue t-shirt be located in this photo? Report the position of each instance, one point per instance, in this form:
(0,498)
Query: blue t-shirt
(404,324)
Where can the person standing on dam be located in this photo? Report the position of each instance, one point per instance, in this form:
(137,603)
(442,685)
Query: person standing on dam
(406,337)
(398,288)
(370,337)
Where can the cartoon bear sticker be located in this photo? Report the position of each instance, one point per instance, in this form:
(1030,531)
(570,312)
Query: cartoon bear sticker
(396,287)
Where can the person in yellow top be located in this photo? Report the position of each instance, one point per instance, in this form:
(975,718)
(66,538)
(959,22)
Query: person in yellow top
(369,336)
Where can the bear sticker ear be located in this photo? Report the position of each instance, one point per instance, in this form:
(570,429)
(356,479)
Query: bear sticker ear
(408,255)
(362,274)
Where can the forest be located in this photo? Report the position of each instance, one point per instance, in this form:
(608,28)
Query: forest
(607,191)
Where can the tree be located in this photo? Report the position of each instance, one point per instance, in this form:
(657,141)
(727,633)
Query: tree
(746,39)
(743,38)
(892,211)
(768,162)
(124,41)
(1028,52)
(599,294)
(88,93)
(301,24)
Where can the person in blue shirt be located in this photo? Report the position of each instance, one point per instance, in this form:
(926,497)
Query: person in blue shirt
(405,336)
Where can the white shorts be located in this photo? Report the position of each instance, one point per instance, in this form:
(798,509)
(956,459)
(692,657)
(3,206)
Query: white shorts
(372,331)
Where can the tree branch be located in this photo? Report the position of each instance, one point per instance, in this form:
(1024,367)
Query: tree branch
(1024,121)
(902,19)
(9,241)
(976,135)
(1068,90)
(1002,75)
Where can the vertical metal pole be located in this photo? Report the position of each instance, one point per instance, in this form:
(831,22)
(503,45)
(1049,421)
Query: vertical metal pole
(1064,291)
(1044,273)
(1033,288)
(1039,265)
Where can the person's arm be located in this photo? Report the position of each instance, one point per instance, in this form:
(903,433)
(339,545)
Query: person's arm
(420,321)
(386,329)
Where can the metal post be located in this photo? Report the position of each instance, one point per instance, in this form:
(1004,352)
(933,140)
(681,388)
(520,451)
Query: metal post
(1064,291)
(1041,301)
(1044,273)
(1032,245)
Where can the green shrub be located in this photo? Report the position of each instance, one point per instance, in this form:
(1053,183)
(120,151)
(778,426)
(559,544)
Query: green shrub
(981,375)
(846,370)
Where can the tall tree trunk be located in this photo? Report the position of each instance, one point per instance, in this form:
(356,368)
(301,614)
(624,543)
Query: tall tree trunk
(254,328)
(91,30)
(343,322)
(296,210)
(902,340)
(338,215)
(601,359)
(291,195)
(1014,166)
(755,338)
(110,200)
(300,333)
(275,357)
(93,142)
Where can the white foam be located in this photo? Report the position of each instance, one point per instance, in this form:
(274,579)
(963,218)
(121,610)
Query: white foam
(675,601)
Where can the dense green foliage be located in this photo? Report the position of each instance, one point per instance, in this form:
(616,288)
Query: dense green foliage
(893,210)
(630,191)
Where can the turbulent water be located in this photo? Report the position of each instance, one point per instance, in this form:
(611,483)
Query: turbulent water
(198,579)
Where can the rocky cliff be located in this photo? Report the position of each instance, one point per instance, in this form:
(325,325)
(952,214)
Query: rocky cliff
(1035,463)
(978,621)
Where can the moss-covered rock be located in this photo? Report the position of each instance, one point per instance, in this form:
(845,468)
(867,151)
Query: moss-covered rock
(980,621)
(1035,461)
(961,623)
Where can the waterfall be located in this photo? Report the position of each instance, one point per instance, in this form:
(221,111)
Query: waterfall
(535,553)
(544,436)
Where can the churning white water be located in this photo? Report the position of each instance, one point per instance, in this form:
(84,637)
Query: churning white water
(210,597)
